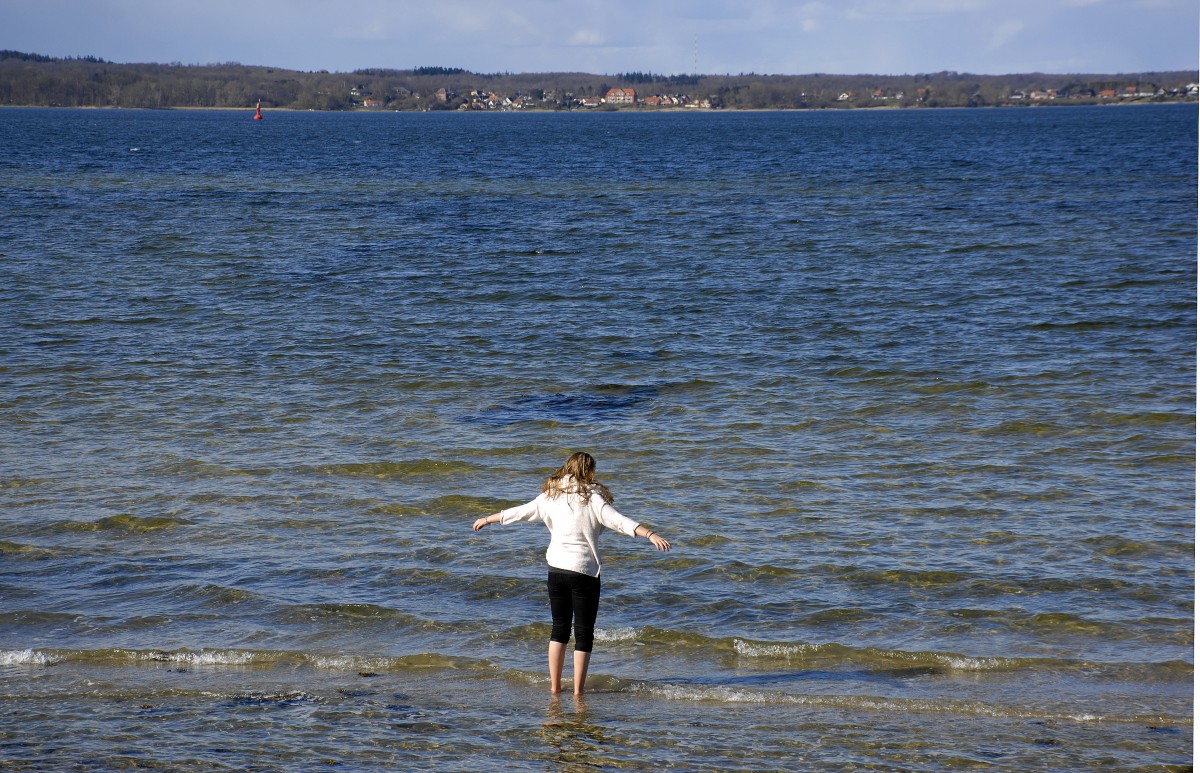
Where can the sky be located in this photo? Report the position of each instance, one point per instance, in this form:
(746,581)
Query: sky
(889,37)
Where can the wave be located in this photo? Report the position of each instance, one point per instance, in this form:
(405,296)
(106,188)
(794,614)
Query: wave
(739,571)
(875,658)
(610,635)
(346,613)
(465,505)
(214,595)
(736,695)
(764,654)
(1118,546)
(708,541)
(714,689)
(358,616)
(18,550)
(455,505)
(1169,460)
(385,470)
(235,658)
(888,660)
(1020,427)
(16,482)
(919,381)
(397,470)
(1035,428)
(948,582)
(840,657)
(409,666)
(29,617)
(196,468)
(28,657)
(1149,418)
(124,522)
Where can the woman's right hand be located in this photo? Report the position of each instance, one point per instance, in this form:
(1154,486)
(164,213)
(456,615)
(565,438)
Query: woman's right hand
(480,523)
(659,542)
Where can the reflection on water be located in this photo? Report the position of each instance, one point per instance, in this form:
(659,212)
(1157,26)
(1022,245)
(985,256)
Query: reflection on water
(576,742)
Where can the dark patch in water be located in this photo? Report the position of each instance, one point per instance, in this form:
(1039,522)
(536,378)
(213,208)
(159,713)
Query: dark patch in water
(596,404)
(640,356)
(256,699)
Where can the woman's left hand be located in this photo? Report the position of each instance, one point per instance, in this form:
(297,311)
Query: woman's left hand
(659,542)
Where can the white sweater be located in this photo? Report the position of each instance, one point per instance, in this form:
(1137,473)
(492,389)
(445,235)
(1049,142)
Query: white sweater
(575,527)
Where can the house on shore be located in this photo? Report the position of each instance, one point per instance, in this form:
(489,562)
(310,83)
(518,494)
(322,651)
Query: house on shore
(620,97)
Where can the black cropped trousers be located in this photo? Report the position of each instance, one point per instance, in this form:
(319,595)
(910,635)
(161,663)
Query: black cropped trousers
(573,595)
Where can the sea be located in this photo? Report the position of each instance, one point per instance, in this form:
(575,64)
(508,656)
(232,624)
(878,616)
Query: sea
(911,392)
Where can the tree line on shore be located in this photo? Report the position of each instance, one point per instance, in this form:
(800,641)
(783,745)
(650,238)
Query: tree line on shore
(36,80)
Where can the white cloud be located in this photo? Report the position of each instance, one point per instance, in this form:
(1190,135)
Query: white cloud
(814,9)
(1004,33)
(810,15)
(943,6)
(586,38)
(621,35)
(904,9)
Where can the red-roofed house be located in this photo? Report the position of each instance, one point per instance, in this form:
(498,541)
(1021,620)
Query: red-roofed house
(620,96)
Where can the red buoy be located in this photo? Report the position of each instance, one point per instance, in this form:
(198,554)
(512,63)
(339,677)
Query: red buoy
(258,111)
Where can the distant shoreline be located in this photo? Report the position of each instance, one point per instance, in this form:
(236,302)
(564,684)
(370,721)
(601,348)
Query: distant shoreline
(32,80)
(623,111)
(250,112)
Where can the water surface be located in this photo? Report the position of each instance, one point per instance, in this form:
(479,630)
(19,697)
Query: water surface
(912,392)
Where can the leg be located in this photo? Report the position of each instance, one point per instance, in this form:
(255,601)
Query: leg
(560,631)
(557,656)
(586,601)
(581,666)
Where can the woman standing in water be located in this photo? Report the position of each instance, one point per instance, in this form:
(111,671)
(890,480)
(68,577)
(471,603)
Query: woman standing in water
(575,508)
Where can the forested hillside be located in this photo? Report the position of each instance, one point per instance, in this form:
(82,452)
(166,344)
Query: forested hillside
(34,80)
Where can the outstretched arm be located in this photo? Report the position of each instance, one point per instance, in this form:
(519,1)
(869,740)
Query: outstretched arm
(658,541)
(481,522)
(530,511)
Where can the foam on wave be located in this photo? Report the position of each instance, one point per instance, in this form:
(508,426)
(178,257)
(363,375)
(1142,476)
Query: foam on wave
(741,695)
(27,657)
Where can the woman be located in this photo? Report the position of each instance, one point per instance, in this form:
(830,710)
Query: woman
(575,508)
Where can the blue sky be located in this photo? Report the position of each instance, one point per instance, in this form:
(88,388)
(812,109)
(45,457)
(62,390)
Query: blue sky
(609,36)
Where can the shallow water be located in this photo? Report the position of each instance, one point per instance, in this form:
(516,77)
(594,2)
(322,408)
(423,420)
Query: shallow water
(913,394)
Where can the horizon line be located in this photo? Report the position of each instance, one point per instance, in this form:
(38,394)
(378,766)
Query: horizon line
(451,70)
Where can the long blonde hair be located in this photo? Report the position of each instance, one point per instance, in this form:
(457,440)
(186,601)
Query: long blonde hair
(582,468)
